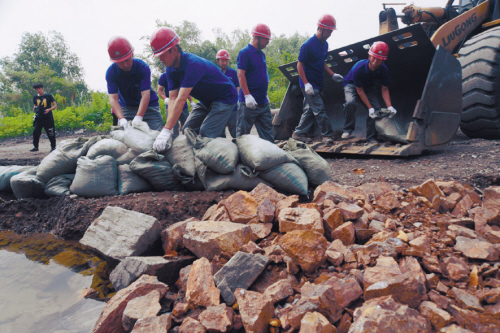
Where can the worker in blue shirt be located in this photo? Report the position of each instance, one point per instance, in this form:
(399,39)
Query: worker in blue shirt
(252,73)
(223,61)
(188,74)
(311,67)
(359,84)
(129,86)
(162,84)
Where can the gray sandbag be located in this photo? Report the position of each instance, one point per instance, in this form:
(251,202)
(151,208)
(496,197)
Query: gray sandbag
(182,154)
(26,185)
(156,170)
(95,177)
(59,185)
(219,154)
(63,160)
(261,154)
(139,138)
(237,180)
(316,167)
(287,177)
(130,182)
(111,147)
(127,157)
(7,172)
(389,128)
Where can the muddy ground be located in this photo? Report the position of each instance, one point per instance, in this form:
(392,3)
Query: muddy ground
(469,161)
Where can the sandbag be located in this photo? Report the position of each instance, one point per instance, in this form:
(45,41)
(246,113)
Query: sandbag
(111,147)
(156,170)
(181,154)
(95,177)
(130,182)
(287,177)
(7,172)
(63,160)
(59,185)
(127,157)
(219,154)
(316,167)
(26,185)
(389,129)
(237,180)
(261,154)
(139,138)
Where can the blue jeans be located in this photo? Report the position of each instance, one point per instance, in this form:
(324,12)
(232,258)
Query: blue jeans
(209,122)
(352,100)
(152,116)
(261,117)
(314,113)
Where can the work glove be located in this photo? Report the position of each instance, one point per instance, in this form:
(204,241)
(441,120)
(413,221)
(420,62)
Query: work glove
(193,104)
(137,119)
(371,113)
(309,89)
(166,102)
(123,122)
(337,78)
(161,142)
(393,111)
(250,102)
(34,117)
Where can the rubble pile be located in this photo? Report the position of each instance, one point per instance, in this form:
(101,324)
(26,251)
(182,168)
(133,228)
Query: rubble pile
(372,258)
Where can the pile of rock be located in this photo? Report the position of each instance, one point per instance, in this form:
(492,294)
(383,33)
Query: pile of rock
(372,258)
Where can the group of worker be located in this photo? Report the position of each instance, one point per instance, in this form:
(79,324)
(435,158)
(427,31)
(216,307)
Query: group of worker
(237,99)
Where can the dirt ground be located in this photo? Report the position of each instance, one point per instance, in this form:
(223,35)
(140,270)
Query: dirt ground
(469,161)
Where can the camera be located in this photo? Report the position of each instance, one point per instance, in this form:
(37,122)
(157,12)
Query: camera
(38,110)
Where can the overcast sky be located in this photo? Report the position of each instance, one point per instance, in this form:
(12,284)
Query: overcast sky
(88,25)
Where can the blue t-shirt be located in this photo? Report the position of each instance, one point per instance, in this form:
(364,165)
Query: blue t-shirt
(231,73)
(312,55)
(208,82)
(253,62)
(129,86)
(361,76)
(163,82)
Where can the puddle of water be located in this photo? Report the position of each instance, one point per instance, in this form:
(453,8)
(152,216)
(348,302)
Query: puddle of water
(41,285)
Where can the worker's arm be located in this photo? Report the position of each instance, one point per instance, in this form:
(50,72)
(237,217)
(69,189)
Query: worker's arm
(115,106)
(143,105)
(190,98)
(161,92)
(364,98)
(54,106)
(177,99)
(302,73)
(386,96)
(243,81)
(328,70)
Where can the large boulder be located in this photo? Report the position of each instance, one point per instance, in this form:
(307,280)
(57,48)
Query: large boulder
(201,290)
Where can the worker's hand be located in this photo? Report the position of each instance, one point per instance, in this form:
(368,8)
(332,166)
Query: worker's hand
(337,78)
(309,89)
(166,102)
(46,111)
(123,122)
(137,119)
(371,113)
(161,141)
(193,105)
(250,102)
(393,111)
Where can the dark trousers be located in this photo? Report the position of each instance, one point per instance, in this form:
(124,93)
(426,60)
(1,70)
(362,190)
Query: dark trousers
(260,116)
(352,100)
(314,114)
(115,120)
(50,129)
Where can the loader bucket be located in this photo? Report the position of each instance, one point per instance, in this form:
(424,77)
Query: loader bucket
(425,87)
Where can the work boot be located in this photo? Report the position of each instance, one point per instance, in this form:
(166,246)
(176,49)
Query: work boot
(346,135)
(304,139)
(34,149)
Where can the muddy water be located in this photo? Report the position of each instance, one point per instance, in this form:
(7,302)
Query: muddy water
(42,282)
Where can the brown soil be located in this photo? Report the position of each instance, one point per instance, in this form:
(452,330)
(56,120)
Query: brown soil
(469,161)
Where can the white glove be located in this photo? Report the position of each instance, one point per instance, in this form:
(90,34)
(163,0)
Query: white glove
(123,122)
(393,111)
(250,102)
(137,119)
(193,104)
(309,89)
(337,78)
(371,113)
(166,101)
(160,144)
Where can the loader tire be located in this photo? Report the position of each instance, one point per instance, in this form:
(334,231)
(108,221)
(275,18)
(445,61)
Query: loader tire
(480,61)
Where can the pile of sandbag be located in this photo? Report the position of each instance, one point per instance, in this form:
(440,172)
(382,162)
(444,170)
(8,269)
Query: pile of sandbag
(125,163)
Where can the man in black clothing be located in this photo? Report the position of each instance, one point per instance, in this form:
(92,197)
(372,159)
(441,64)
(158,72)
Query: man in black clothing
(44,104)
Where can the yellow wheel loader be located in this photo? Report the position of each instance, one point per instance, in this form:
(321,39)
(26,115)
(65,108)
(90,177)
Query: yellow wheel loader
(444,74)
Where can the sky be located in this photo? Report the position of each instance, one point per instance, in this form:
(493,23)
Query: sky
(88,25)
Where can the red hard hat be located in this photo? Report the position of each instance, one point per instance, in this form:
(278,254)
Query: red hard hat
(261,30)
(163,40)
(223,54)
(379,50)
(328,22)
(119,49)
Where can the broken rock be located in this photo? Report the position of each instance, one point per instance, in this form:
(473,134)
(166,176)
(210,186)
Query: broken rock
(217,318)
(300,219)
(190,325)
(345,233)
(280,290)
(438,317)
(476,249)
(141,307)
(306,248)
(242,207)
(160,324)
(315,322)
(201,290)
(256,310)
